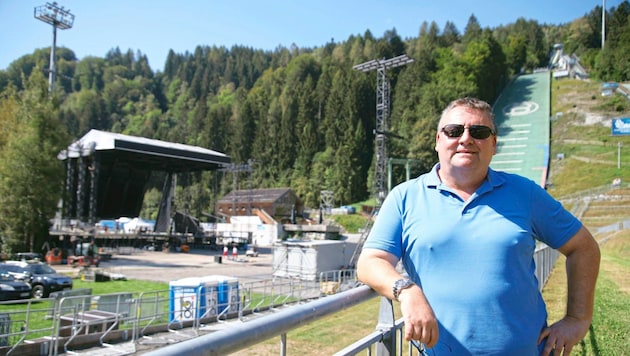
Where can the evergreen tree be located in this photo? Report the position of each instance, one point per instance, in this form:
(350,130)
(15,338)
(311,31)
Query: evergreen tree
(31,174)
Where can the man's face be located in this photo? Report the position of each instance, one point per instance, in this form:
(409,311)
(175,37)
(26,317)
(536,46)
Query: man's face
(465,151)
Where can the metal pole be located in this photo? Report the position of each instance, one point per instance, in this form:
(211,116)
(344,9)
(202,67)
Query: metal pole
(603,22)
(53,64)
(283,344)
(57,17)
(386,321)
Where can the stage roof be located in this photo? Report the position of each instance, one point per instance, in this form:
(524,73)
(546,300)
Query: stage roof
(144,153)
(122,166)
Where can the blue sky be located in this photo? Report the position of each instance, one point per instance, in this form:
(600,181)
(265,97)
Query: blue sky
(156,26)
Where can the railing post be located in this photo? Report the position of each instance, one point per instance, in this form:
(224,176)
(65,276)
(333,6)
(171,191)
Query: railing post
(283,344)
(386,322)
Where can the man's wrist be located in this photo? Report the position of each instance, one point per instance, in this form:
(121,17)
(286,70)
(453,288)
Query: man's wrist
(401,285)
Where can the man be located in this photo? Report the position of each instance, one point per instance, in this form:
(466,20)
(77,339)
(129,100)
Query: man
(92,251)
(466,235)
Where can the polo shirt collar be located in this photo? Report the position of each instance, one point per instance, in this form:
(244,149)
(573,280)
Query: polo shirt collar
(492,180)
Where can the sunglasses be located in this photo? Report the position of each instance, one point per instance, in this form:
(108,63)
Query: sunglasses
(479,132)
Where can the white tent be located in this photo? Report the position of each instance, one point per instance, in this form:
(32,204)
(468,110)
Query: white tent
(138,225)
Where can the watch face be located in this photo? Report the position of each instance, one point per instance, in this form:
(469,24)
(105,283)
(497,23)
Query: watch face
(400,285)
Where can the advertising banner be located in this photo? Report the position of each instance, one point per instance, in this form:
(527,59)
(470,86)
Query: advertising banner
(621,126)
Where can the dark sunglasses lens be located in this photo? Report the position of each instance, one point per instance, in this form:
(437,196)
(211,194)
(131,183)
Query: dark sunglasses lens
(453,130)
(480,132)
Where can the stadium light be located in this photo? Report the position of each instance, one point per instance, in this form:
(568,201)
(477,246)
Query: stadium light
(57,17)
(382,116)
(603,23)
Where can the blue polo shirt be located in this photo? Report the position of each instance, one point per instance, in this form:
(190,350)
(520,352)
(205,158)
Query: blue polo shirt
(474,259)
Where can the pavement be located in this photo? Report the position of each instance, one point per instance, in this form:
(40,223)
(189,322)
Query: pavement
(168,266)
(159,266)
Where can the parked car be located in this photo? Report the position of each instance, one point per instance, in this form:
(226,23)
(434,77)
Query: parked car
(18,274)
(28,256)
(42,278)
(12,289)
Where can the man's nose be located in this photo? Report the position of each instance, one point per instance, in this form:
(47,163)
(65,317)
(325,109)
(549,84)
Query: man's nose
(465,137)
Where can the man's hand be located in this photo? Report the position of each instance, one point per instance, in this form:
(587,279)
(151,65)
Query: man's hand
(420,321)
(563,335)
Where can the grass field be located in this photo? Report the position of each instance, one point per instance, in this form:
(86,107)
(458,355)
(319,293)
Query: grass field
(610,330)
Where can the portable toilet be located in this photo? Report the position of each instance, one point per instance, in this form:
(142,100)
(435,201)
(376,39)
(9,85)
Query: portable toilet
(210,297)
(186,299)
(227,294)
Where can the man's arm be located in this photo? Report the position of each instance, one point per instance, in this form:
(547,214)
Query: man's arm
(583,256)
(377,269)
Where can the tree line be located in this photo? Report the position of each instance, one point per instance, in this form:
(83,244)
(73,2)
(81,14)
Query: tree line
(302,116)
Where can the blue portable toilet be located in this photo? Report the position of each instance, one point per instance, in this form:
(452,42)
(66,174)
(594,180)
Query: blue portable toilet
(227,293)
(185,302)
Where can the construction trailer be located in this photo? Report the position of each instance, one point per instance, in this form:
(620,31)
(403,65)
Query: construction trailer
(307,259)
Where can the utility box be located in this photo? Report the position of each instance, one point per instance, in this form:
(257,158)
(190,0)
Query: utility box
(307,259)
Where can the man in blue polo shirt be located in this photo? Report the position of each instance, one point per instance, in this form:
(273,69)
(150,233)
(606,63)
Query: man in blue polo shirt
(466,235)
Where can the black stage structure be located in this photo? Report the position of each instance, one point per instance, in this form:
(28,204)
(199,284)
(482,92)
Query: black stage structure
(107,175)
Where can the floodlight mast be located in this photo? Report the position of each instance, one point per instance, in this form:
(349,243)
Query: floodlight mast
(57,17)
(603,23)
(382,117)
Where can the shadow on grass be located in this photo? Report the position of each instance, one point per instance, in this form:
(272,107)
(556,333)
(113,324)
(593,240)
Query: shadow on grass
(593,343)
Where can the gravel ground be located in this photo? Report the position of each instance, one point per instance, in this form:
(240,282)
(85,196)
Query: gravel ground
(168,266)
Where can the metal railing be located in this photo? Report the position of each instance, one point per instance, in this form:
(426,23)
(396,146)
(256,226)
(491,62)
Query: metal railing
(592,192)
(73,318)
(140,318)
(385,340)
(239,336)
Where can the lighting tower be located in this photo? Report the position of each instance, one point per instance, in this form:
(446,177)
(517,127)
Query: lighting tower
(235,169)
(603,23)
(60,18)
(382,117)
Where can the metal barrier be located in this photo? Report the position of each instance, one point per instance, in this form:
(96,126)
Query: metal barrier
(593,192)
(386,340)
(545,258)
(144,316)
(241,335)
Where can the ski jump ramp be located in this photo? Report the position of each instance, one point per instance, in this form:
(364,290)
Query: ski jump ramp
(522,114)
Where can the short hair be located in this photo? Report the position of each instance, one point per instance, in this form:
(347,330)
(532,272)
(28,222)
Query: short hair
(473,104)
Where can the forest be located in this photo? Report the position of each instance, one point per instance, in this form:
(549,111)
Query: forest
(303,117)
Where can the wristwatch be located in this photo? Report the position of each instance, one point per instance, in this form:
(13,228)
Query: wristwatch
(401,284)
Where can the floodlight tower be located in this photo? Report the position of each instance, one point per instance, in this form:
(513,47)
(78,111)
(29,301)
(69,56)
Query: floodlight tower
(60,18)
(603,23)
(382,117)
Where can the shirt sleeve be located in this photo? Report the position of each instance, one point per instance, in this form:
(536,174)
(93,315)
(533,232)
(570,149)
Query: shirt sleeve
(552,223)
(386,233)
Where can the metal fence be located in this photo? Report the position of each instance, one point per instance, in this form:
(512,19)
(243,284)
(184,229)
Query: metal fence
(75,319)
(198,319)
(385,340)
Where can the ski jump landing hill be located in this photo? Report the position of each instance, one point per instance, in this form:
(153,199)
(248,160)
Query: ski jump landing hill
(523,117)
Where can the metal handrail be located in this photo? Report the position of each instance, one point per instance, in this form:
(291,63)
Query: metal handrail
(244,332)
(241,335)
